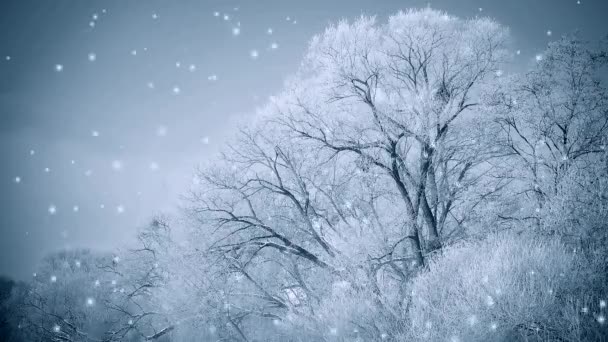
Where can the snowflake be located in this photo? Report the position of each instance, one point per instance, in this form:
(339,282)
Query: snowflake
(96,284)
(92,57)
(602,303)
(226,17)
(274,46)
(95,16)
(154,16)
(153,166)
(216,14)
(56,328)
(53,279)
(472,320)
(88,173)
(58,67)
(212,78)
(90,301)
(493,326)
(92,23)
(47,170)
(32,152)
(17,179)
(178,64)
(95,133)
(117,165)
(518,52)
(192,68)
(236,31)
(269,31)
(254,54)
(176,90)
(8,58)
(134,52)
(539,57)
(161,131)
(120,209)
(102,206)
(52,209)
(549,33)
(489,301)
(601,319)
(75,208)
(130,322)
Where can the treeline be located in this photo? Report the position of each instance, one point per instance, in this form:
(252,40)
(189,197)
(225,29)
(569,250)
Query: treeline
(404,186)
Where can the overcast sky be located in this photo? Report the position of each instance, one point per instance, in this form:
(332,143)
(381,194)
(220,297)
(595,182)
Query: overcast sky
(107,106)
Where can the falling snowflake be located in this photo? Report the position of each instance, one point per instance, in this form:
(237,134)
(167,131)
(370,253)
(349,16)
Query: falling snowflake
(117,165)
(493,326)
(153,166)
(601,319)
(192,68)
(212,77)
(94,133)
(176,90)
(236,31)
(32,152)
(216,14)
(269,31)
(58,67)
(92,57)
(254,54)
(56,328)
(88,173)
(226,17)
(52,209)
(120,209)
(154,16)
(274,46)
(53,279)
(17,179)
(539,57)
(134,52)
(205,140)
(489,301)
(90,301)
(75,208)
(161,131)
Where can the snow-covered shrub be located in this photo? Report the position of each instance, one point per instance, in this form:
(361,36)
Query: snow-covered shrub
(508,287)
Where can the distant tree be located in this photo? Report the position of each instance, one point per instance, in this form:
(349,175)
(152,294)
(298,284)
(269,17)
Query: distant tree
(554,122)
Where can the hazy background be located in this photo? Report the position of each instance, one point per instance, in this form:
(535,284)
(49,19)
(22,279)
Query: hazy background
(120,143)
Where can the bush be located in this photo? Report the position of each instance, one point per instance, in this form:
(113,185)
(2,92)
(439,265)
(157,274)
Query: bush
(506,288)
